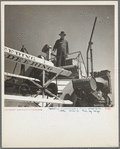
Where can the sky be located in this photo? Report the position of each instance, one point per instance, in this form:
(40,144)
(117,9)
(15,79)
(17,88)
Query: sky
(37,25)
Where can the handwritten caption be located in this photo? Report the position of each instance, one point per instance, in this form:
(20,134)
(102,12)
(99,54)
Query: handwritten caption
(81,109)
(87,110)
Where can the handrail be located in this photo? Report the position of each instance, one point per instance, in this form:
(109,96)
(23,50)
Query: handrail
(74,52)
(66,54)
(79,53)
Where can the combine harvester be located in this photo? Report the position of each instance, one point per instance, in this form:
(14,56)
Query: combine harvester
(45,85)
(25,90)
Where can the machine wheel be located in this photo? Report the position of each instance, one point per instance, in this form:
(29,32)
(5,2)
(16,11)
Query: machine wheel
(52,88)
(67,97)
(25,89)
(81,102)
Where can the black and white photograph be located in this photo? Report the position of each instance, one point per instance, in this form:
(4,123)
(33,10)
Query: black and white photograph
(60,55)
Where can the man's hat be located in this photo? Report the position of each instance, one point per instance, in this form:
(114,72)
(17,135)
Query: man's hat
(62,32)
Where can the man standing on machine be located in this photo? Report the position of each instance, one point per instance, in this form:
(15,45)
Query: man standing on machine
(61,45)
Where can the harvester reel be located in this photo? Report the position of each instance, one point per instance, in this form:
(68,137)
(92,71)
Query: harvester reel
(52,87)
(49,91)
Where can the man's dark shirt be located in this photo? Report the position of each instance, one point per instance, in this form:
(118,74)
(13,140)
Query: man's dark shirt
(61,46)
(62,50)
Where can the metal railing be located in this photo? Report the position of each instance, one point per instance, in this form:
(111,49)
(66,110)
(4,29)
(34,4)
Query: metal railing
(78,58)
